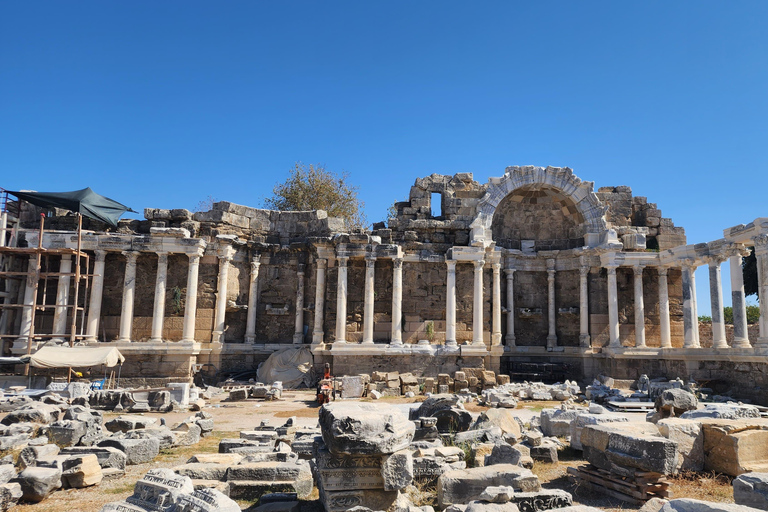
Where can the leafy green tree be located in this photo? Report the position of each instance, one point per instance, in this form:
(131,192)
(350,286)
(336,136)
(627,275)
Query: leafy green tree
(753,314)
(314,187)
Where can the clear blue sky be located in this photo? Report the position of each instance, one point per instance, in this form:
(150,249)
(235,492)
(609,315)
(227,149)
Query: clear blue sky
(161,104)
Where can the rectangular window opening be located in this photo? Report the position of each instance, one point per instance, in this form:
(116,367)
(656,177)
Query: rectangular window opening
(436,202)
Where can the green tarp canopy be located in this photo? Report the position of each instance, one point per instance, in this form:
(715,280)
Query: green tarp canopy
(85,202)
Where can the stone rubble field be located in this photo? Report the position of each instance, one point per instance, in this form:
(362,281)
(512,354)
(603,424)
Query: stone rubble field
(484,446)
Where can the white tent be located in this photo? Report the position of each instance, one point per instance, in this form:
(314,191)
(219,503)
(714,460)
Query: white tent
(75,357)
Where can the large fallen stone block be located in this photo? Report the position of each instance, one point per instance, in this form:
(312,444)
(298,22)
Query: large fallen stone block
(206,500)
(690,505)
(464,486)
(35,412)
(37,483)
(624,449)
(545,499)
(244,446)
(358,428)
(67,432)
(159,490)
(15,441)
(202,471)
(675,402)
(137,451)
(690,441)
(397,470)
(545,452)
(81,471)
(228,459)
(504,453)
(583,420)
(368,499)
(428,469)
(751,490)
(251,481)
(557,422)
(128,422)
(164,436)
(502,418)
(339,472)
(186,434)
(729,411)
(10,494)
(734,447)
(29,455)
(108,456)
(7,472)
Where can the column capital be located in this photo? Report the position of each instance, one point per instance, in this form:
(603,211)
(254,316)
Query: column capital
(496,267)
(510,272)
(479,264)
(397,262)
(131,257)
(761,241)
(65,257)
(638,269)
(101,254)
(663,271)
(370,261)
(300,269)
(225,252)
(584,270)
(551,274)
(162,256)
(714,260)
(194,258)
(611,269)
(688,264)
(343,260)
(321,262)
(451,265)
(255,264)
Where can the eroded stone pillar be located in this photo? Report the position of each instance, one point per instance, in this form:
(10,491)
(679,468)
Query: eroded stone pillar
(739,303)
(761,253)
(584,339)
(716,301)
(397,301)
(613,309)
(97,291)
(62,298)
(551,306)
(477,313)
(665,328)
(129,290)
(190,305)
(450,304)
(29,300)
(158,312)
(689,318)
(496,313)
(695,301)
(639,307)
(253,300)
(317,331)
(298,331)
(370,276)
(510,337)
(341,301)
(219,326)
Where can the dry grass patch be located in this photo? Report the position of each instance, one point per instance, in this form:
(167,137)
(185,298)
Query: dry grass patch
(708,486)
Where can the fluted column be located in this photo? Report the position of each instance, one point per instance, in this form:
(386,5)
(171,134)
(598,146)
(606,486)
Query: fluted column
(666,331)
(253,300)
(129,290)
(496,313)
(739,303)
(62,298)
(298,331)
(317,330)
(370,275)
(477,314)
(695,301)
(716,302)
(551,310)
(509,339)
(97,291)
(761,254)
(639,307)
(29,299)
(689,314)
(158,313)
(341,301)
(219,326)
(190,305)
(450,304)
(584,339)
(613,309)
(397,302)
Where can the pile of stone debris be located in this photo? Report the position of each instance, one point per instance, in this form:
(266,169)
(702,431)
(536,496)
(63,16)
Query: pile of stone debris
(70,446)
(256,390)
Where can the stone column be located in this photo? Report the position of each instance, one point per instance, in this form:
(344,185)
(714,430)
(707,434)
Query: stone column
(761,253)
(552,311)
(695,301)
(584,339)
(510,337)
(496,313)
(716,301)
(477,313)
(190,306)
(129,290)
(666,331)
(97,290)
(158,313)
(639,307)
(450,304)
(219,326)
(62,298)
(397,302)
(298,331)
(25,328)
(317,330)
(253,300)
(341,302)
(370,275)
(689,318)
(613,309)
(739,303)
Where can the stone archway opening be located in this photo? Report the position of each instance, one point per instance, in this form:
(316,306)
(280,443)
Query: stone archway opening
(538,217)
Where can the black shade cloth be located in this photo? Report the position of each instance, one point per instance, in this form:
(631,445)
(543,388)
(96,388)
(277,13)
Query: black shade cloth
(85,202)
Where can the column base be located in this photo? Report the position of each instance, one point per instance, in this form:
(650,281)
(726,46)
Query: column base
(479,343)
(367,342)
(298,338)
(216,337)
(123,340)
(551,342)
(585,340)
(396,343)
(720,344)
(155,340)
(691,344)
(741,343)
(451,343)
(250,339)
(761,343)
(496,338)
(317,337)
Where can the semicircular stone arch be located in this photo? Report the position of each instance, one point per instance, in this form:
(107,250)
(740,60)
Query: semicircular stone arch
(549,204)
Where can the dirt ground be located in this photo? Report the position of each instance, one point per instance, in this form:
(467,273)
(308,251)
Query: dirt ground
(230,418)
